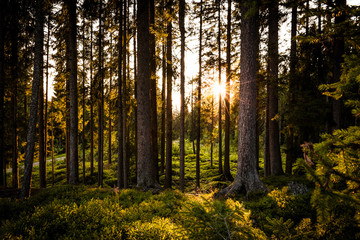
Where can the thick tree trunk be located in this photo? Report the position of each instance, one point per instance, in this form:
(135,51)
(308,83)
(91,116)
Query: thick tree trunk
(169,75)
(74,165)
(227,173)
(38,58)
(274,145)
(247,178)
(198,131)
(182,93)
(146,171)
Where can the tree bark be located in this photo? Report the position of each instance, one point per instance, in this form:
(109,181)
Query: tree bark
(220,102)
(38,58)
(182,93)
(163,109)
(274,145)
(91,104)
(83,104)
(100,105)
(227,173)
(290,148)
(2,91)
(169,75)
(74,164)
(247,178)
(146,171)
(198,131)
(125,159)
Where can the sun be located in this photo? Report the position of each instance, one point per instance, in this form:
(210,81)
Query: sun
(219,89)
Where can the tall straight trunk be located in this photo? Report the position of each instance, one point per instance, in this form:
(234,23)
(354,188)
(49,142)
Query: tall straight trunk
(169,75)
(274,145)
(212,131)
(74,164)
(219,72)
(83,104)
(14,74)
(146,171)
(100,105)
(125,159)
(52,151)
(182,93)
(135,88)
(227,173)
(47,92)
(290,146)
(163,110)
(267,168)
(339,49)
(247,178)
(153,102)
(38,58)
(198,131)
(91,104)
(110,101)
(192,117)
(2,92)
(120,166)
(42,160)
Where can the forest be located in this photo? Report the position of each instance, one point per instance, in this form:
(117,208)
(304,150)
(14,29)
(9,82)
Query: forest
(175,119)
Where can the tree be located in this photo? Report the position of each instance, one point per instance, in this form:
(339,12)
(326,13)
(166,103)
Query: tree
(219,72)
(38,59)
(146,171)
(247,178)
(74,165)
(227,173)
(100,104)
(169,75)
(2,92)
(182,93)
(273,59)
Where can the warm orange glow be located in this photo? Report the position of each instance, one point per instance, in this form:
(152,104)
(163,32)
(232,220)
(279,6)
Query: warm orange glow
(219,89)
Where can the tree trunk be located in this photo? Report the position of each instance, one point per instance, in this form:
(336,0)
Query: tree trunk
(83,105)
(2,92)
(91,104)
(169,75)
(125,159)
(14,76)
(290,146)
(227,173)
(135,88)
(110,101)
(198,131)
(153,99)
(182,93)
(38,58)
(42,159)
(146,171)
(100,105)
(220,103)
(274,145)
(120,166)
(163,103)
(247,178)
(74,165)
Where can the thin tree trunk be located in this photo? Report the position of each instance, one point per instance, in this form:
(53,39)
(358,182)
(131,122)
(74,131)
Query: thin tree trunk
(2,92)
(227,173)
(192,118)
(42,160)
(220,103)
(110,100)
(14,74)
(290,155)
(91,104)
(169,75)
(153,99)
(120,167)
(212,132)
(38,58)
(83,105)
(198,131)
(182,93)
(100,105)
(135,90)
(274,145)
(52,151)
(125,159)
(163,110)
